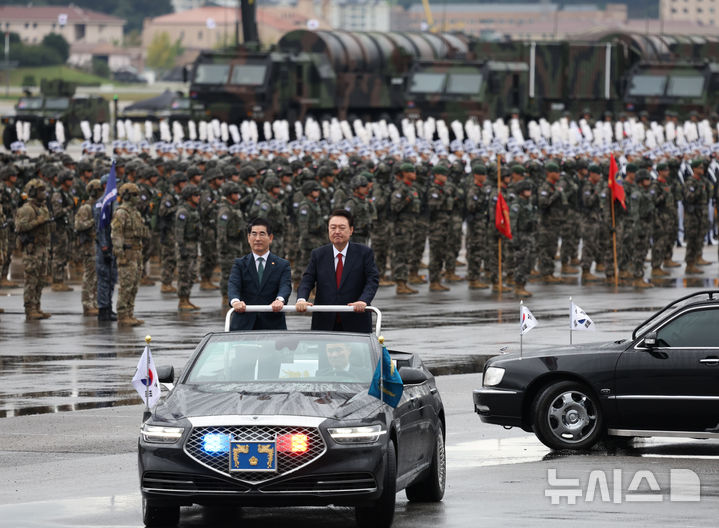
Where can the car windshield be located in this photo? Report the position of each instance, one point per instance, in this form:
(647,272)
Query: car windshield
(57,103)
(464,83)
(249,74)
(212,73)
(239,357)
(680,86)
(29,103)
(648,85)
(427,82)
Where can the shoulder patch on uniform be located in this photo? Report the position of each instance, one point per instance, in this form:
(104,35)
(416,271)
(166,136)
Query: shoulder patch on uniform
(543,193)
(168,204)
(515,207)
(181,216)
(223,217)
(264,207)
(303,211)
(435,195)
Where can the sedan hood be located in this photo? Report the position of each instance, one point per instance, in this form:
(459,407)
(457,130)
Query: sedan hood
(339,401)
(588,348)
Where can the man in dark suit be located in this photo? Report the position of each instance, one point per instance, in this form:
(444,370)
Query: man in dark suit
(259,278)
(342,272)
(340,366)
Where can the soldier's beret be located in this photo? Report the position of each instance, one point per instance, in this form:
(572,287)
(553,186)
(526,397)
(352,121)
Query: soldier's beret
(407,167)
(478,168)
(697,162)
(551,167)
(517,169)
(440,169)
(632,167)
(595,168)
(662,166)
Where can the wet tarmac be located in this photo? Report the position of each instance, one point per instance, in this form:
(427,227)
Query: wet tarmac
(70,362)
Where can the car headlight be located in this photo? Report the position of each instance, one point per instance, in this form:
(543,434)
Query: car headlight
(356,435)
(158,434)
(492,376)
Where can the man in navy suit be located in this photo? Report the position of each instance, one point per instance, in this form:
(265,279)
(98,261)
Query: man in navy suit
(342,272)
(259,278)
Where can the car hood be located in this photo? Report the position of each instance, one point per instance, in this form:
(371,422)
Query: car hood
(611,347)
(336,400)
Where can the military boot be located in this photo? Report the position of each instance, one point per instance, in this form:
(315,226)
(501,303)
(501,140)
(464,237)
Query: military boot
(575,262)
(416,278)
(519,291)
(60,287)
(509,279)
(499,287)
(588,276)
(207,284)
(702,262)
(624,274)
(168,288)
(34,315)
(125,319)
(384,281)
(5,283)
(453,277)
(194,306)
(478,285)
(568,269)
(459,264)
(693,270)
(106,314)
(669,263)
(551,279)
(88,311)
(146,281)
(641,283)
(403,289)
(437,287)
(659,272)
(184,305)
(137,321)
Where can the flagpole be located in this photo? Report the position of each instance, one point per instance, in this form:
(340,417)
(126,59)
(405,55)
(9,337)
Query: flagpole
(381,368)
(147,386)
(521,334)
(571,320)
(500,282)
(614,225)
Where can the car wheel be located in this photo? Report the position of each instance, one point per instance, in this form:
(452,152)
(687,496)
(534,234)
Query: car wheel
(567,416)
(155,515)
(431,487)
(381,513)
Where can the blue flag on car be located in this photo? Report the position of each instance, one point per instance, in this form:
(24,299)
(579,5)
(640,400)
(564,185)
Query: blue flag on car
(386,384)
(109,197)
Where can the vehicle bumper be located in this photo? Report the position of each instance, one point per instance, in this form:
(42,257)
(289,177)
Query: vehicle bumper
(498,406)
(343,475)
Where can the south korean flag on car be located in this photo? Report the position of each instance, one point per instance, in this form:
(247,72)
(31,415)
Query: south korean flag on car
(579,320)
(145,379)
(526,320)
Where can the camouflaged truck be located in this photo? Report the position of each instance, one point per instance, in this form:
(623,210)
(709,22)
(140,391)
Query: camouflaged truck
(677,73)
(168,106)
(316,73)
(56,102)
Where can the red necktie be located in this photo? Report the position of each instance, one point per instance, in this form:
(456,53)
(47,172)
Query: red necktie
(338,271)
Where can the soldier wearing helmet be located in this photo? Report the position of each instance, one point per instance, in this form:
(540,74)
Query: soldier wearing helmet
(128,231)
(169,202)
(85,237)
(187,238)
(9,201)
(63,211)
(209,204)
(231,236)
(360,207)
(268,205)
(311,227)
(32,224)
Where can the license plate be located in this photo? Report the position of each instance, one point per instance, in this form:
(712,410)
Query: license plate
(253,456)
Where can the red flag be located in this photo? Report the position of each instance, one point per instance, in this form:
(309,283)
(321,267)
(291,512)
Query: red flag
(617,190)
(501,217)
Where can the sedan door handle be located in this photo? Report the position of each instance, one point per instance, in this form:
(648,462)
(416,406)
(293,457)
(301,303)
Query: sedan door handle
(710,361)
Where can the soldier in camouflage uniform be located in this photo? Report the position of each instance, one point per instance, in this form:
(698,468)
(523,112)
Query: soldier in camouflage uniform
(270,206)
(591,222)
(631,200)
(231,239)
(421,226)
(149,204)
(477,208)
(128,230)
(361,209)
(85,236)
(405,206)
(381,226)
(166,221)
(456,219)
(663,242)
(523,221)
(643,222)
(3,237)
(311,225)
(10,201)
(187,238)
(63,209)
(209,203)
(440,203)
(695,209)
(32,224)
(493,236)
(572,220)
(552,210)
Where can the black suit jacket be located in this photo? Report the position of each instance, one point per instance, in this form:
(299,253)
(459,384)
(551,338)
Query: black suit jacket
(244,285)
(360,280)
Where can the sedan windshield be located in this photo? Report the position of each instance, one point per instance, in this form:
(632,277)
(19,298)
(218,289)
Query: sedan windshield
(284,357)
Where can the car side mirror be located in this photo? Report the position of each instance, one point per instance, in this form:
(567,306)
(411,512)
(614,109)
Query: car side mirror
(650,340)
(166,374)
(412,376)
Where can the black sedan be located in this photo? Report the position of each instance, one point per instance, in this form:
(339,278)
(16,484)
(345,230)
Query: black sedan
(274,418)
(664,381)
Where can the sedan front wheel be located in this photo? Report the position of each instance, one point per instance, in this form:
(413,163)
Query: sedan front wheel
(568,416)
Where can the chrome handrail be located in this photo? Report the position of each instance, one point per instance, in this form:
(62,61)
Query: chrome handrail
(289,308)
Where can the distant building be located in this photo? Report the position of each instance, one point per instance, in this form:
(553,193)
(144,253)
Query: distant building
(75,24)
(358,15)
(702,13)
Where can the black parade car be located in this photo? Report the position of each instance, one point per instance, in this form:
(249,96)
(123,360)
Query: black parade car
(664,381)
(284,418)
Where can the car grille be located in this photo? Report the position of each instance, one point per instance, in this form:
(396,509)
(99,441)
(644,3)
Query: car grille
(160,481)
(286,462)
(346,482)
